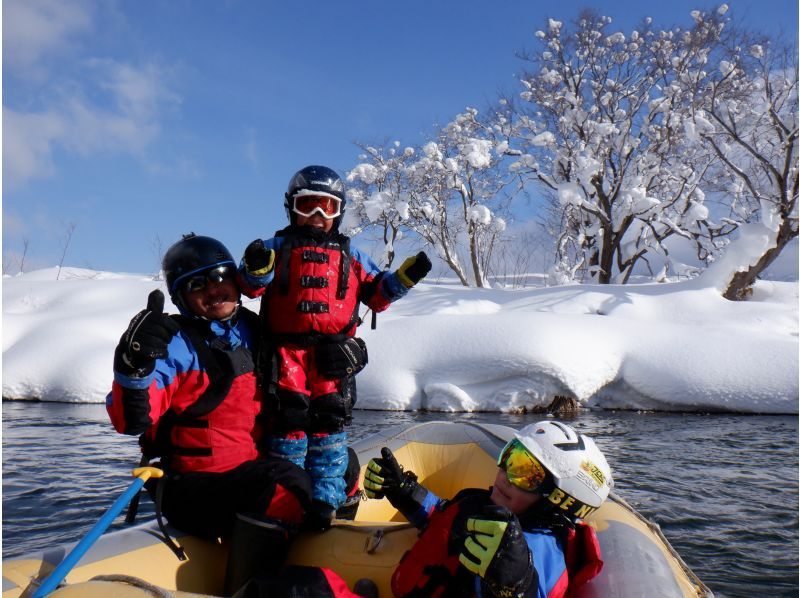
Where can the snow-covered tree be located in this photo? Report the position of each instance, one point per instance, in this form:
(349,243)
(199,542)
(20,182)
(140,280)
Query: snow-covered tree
(378,193)
(430,209)
(600,129)
(456,188)
(744,103)
(446,192)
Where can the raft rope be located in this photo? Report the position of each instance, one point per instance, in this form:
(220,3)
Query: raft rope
(174,546)
(136,582)
(133,509)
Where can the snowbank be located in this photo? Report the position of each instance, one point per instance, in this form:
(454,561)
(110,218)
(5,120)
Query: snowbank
(675,346)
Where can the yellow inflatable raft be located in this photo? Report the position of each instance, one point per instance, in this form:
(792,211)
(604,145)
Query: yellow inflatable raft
(447,457)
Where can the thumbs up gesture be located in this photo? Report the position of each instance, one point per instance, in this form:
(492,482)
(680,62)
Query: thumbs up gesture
(148,335)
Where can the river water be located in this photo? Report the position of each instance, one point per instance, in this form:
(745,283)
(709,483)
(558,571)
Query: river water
(723,488)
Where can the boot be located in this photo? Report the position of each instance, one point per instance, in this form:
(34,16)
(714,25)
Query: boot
(349,508)
(257,545)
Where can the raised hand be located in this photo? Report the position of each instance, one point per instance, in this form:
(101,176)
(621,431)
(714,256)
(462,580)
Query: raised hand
(148,335)
(384,476)
(258,260)
(414,269)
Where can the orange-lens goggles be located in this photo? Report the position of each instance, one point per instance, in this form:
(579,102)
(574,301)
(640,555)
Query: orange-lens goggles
(307,205)
(522,469)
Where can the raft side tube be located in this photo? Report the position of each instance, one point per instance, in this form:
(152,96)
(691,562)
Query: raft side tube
(447,457)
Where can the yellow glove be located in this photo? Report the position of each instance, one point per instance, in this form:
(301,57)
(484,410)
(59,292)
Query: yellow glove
(383,475)
(414,269)
(482,544)
(497,552)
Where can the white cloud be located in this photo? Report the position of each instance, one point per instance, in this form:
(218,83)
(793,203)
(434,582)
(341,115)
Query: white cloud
(62,99)
(27,141)
(13,225)
(33,29)
(179,166)
(251,147)
(126,118)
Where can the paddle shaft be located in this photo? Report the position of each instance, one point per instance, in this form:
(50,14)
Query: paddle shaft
(60,572)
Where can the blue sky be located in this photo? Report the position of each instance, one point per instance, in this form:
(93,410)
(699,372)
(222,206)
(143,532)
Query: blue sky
(137,121)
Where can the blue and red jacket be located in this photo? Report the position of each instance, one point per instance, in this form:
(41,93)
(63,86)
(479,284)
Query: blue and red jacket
(317,284)
(432,567)
(199,407)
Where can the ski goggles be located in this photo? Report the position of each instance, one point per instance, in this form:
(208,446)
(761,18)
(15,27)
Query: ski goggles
(523,470)
(307,204)
(198,282)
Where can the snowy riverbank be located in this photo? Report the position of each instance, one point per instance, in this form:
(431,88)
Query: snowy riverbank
(673,346)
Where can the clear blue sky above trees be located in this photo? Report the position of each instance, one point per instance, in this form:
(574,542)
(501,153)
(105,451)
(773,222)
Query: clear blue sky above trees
(139,121)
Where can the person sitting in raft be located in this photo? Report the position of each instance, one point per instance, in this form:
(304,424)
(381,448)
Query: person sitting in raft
(187,385)
(524,536)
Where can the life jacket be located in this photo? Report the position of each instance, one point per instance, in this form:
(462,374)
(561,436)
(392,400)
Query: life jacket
(217,431)
(315,292)
(431,567)
(582,554)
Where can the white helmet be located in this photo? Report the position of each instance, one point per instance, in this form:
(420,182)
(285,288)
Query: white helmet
(581,474)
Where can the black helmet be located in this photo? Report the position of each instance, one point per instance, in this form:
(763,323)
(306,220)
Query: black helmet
(190,255)
(315,178)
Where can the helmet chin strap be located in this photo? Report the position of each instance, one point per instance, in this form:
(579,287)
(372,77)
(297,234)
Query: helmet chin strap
(177,299)
(234,313)
(545,514)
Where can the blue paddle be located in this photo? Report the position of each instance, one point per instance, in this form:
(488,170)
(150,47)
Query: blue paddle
(50,583)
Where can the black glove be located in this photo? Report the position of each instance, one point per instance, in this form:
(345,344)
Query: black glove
(258,260)
(383,475)
(146,338)
(495,550)
(337,360)
(414,269)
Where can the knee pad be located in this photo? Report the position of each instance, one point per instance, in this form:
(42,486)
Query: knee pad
(292,411)
(329,413)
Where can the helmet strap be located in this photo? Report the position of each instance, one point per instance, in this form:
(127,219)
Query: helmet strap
(234,314)
(544,515)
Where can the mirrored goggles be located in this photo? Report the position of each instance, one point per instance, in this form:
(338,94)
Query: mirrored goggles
(198,282)
(523,470)
(326,205)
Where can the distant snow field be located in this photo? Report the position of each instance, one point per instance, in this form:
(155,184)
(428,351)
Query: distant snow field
(672,346)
